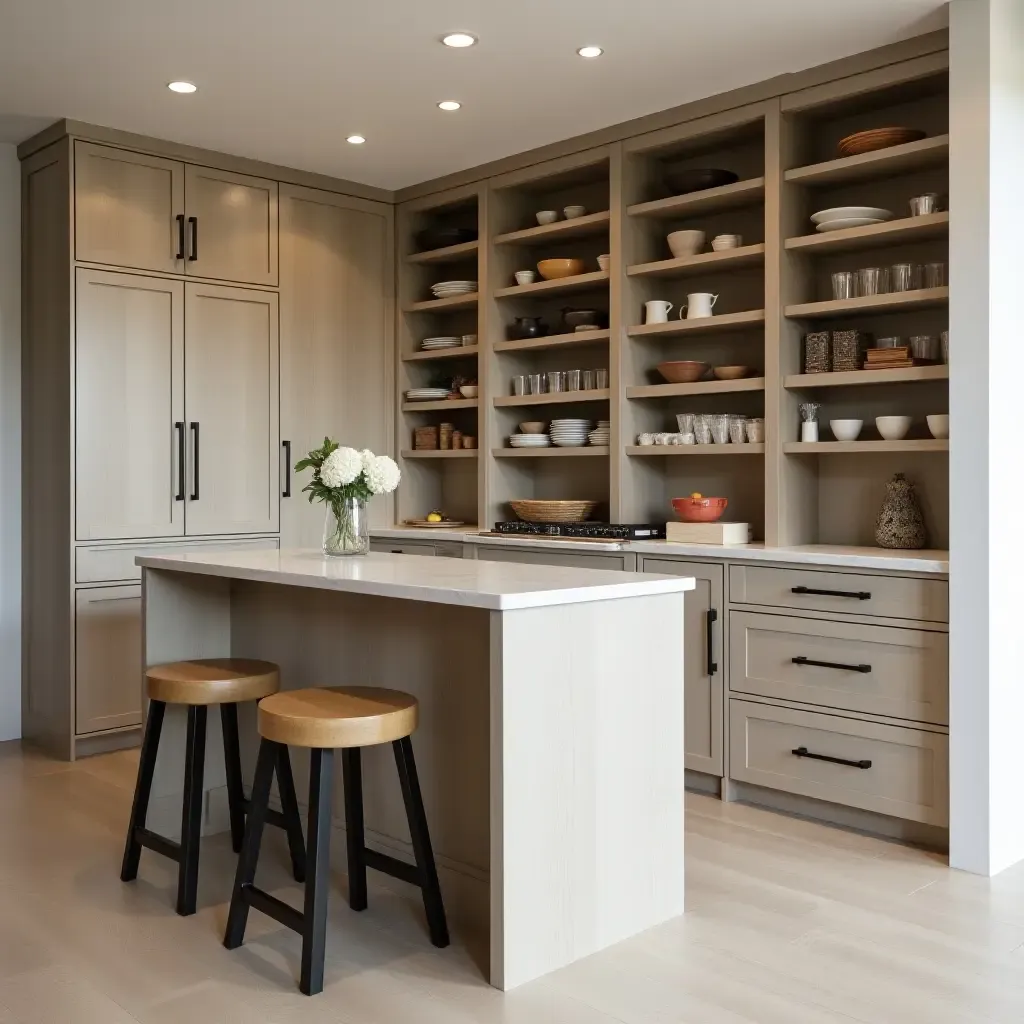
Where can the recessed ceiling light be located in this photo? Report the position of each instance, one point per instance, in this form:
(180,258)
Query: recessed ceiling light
(181,87)
(459,39)
(449,104)
(356,140)
(590,51)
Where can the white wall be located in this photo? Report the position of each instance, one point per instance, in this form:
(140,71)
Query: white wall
(10,444)
(986,410)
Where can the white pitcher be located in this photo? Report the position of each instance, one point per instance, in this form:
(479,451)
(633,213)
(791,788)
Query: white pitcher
(656,311)
(697,305)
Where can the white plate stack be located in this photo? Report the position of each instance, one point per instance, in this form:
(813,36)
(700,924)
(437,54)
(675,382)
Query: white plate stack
(529,441)
(601,434)
(839,217)
(433,344)
(569,433)
(426,394)
(449,289)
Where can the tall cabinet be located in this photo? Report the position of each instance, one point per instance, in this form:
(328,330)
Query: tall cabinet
(190,331)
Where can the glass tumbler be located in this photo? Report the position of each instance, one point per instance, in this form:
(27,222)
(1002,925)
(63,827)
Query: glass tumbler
(842,284)
(755,430)
(901,277)
(520,385)
(588,380)
(536,384)
(934,275)
(685,420)
(600,379)
(870,281)
(737,429)
(556,382)
(924,346)
(573,380)
(892,342)
(702,428)
(719,424)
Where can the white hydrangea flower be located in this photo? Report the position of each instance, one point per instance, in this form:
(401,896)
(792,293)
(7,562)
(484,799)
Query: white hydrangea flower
(368,458)
(341,467)
(382,475)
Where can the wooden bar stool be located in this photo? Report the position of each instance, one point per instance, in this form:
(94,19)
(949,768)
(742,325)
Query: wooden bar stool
(198,684)
(345,718)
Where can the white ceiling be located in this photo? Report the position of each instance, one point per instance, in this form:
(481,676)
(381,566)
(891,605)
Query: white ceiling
(287,80)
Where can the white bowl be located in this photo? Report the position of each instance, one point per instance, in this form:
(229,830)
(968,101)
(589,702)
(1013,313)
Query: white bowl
(469,390)
(846,430)
(723,242)
(848,212)
(547,216)
(938,425)
(685,243)
(604,261)
(893,428)
(525,276)
(572,212)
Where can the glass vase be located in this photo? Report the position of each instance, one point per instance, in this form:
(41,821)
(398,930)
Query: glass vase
(347,528)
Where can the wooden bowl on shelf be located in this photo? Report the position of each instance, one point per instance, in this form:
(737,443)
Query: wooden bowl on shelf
(877,138)
(699,510)
(555,270)
(682,371)
(533,427)
(538,511)
(731,372)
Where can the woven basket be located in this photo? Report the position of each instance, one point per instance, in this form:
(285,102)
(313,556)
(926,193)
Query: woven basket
(877,138)
(553,511)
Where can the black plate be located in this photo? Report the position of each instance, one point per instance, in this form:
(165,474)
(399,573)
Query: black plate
(697,179)
(440,238)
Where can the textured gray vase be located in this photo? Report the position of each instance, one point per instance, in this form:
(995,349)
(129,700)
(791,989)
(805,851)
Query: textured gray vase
(900,523)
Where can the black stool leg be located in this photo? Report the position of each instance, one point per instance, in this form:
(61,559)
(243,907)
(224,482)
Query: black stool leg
(233,773)
(290,811)
(143,787)
(192,811)
(245,872)
(314,914)
(352,772)
(432,902)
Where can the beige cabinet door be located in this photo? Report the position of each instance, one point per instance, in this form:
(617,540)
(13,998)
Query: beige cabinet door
(336,342)
(129,209)
(231,409)
(232,226)
(704,709)
(108,658)
(129,406)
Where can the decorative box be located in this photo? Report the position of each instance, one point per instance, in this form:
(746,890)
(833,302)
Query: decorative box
(848,348)
(818,352)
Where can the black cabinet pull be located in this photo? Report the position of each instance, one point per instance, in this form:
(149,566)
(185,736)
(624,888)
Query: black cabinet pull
(858,595)
(801,660)
(287,446)
(194,225)
(709,624)
(804,752)
(180,428)
(194,496)
(180,254)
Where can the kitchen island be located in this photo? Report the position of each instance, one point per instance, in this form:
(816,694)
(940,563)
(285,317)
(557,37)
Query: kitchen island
(551,731)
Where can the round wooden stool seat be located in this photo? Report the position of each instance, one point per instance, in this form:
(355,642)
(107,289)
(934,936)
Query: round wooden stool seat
(212,681)
(339,716)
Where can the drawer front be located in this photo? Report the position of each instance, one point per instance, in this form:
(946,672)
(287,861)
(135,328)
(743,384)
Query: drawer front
(894,597)
(584,560)
(448,549)
(906,773)
(111,562)
(879,670)
(396,547)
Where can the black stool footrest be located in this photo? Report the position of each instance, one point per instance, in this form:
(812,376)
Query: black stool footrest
(392,866)
(280,911)
(157,843)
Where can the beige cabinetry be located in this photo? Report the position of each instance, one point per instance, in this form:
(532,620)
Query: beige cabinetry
(544,556)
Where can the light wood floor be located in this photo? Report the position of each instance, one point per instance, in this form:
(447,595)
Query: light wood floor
(788,922)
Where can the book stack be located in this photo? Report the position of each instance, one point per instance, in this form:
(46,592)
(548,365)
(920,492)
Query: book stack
(886,358)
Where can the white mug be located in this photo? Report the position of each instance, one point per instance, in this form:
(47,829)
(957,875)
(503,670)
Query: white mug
(656,311)
(697,305)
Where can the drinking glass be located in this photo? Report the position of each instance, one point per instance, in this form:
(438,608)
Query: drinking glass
(737,429)
(928,203)
(556,381)
(600,379)
(755,430)
(719,423)
(702,428)
(684,421)
(901,277)
(923,346)
(588,380)
(892,342)
(869,281)
(842,284)
(520,385)
(934,275)
(536,384)
(573,380)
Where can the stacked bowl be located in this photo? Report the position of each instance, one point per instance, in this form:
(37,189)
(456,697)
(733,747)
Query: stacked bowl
(529,441)
(569,433)
(601,434)
(449,289)
(433,344)
(839,217)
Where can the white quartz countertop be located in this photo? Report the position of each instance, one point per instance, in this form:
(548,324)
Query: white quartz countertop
(472,583)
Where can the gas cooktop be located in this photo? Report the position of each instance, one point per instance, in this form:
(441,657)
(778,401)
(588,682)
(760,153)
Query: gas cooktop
(590,531)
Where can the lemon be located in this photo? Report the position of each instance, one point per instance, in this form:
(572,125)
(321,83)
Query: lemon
(696,495)
(434,517)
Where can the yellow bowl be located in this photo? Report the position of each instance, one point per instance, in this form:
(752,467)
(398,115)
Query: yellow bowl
(554,270)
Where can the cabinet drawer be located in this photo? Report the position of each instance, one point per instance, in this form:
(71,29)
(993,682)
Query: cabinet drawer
(108,562)
(880,670)
(584,560)
(895,597)
(395,547)
(906,773)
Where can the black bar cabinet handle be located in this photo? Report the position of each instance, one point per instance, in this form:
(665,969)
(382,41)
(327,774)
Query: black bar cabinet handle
(859,595)
(801,660)
(194,496)
(287,446)
(804,752)
(194,224)
(180,254)
(709,625)
(180,428)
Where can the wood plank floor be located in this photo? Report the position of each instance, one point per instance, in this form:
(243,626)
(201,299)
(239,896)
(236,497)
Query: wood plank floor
(788,921)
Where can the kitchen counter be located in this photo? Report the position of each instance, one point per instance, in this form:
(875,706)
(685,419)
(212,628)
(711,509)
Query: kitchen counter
(550,749)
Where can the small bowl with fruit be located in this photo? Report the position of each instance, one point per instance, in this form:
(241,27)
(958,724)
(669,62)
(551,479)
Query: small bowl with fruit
(698,509)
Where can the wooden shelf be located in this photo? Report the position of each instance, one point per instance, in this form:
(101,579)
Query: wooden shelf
(881,163)
(445,403)
(557,398)
(552,341)
(707,387)
(739,193)
(907,229)
(893,302)
(448,254)
(441,353)
(702,325)
(441,305)
(927,444)
(579,283)
(549,453)
(461,453)
(577,227)
(696,449)
(857,378)
(744,256)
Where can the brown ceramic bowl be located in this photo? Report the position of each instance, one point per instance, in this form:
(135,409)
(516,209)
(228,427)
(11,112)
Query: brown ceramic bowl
(533,427)
(682,371)
(699,510)
(554,270)
(731,372)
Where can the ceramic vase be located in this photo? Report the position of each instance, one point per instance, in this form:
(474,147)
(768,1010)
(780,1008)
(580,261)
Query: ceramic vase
(900,523)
